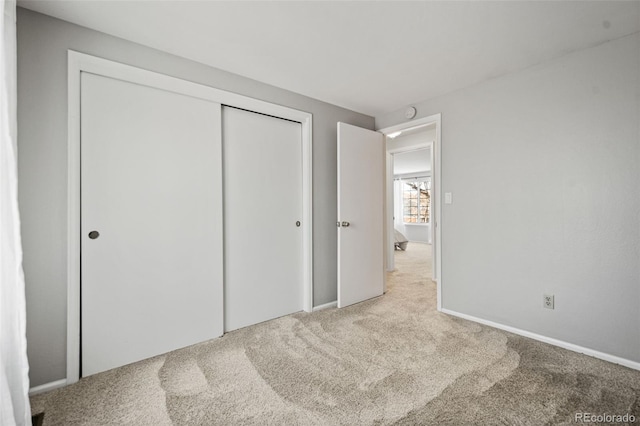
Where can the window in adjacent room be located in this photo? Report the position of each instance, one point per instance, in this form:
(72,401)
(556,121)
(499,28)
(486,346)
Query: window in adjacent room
(416,197)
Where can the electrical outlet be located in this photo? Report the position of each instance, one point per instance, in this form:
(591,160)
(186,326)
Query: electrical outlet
(547,301)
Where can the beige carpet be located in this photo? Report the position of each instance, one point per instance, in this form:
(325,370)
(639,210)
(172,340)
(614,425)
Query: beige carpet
(391,360)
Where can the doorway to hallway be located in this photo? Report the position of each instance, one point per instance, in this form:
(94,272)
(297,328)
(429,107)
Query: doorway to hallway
(413,202)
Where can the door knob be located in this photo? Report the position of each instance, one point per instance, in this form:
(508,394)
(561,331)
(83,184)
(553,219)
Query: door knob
(94,234)
(345,224)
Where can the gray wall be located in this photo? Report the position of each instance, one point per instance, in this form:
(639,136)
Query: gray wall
(544,169)
(42,109)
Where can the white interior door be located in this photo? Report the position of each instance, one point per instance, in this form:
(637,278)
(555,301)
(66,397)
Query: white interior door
(263,211)
(151,186)
(361,165)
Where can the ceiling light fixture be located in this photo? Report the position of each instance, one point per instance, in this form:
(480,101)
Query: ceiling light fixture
(394,134)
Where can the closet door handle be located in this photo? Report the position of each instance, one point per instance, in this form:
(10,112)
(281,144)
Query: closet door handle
(345,224)
(94,234)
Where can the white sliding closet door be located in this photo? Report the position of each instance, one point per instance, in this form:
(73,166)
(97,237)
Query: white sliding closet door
(262,209)
(151,226)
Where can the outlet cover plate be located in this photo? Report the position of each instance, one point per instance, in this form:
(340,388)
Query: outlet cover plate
(548,301)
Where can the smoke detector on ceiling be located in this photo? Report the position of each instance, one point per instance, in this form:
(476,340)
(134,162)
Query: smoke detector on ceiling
(410,112)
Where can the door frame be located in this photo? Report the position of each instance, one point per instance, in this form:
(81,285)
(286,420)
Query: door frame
(436,179)
(80,62)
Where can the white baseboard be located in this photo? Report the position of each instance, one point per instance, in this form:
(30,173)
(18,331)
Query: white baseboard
(555,342)
(47,387)
(326,306)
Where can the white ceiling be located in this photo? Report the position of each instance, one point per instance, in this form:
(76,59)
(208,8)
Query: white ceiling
(372,57)
(412,162)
